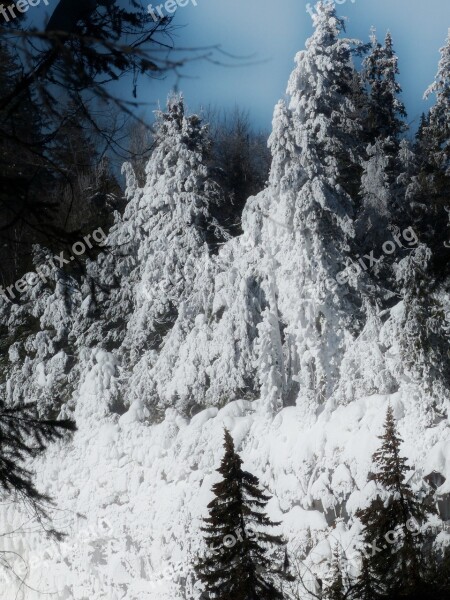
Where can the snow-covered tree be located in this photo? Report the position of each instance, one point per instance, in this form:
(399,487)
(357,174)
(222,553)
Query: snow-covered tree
(165,230)
(380,192)
(422,330)
(315,160)
(429,195)
(270,362)
(42,357)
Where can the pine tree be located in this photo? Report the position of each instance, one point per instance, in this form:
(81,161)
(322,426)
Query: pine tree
(367,586)
(391,521)
(243,569)
(431,190)
(423,125)
(269,351)
(380,191)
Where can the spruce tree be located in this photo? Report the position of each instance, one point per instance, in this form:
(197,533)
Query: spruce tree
(315,171)
(166,228)
(239,563)
(391,523)
(386,111)
(367,586)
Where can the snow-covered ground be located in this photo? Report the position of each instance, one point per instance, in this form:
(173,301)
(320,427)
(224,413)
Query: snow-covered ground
(131,496)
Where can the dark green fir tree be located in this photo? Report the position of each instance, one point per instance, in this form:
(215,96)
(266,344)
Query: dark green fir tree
(394,564)
(243,561)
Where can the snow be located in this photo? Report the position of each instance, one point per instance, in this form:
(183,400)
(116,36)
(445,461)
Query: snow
(200,333)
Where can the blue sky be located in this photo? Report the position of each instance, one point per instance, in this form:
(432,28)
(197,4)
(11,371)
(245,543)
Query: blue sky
(271,32)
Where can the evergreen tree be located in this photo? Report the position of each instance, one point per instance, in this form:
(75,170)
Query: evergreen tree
(380,191)
(270,362)
(166,228)
(243,570)
(423,125)
(367,585)
(385,110)
(391,523)
(313,186)
(25,435)
(438,130)
(336,589)
(430,193)
(269,351)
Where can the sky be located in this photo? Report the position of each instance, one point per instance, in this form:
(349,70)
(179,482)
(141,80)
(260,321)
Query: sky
(268,33)
(273,31)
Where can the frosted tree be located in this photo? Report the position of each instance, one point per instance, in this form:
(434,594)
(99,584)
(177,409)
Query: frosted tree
(376,194)
(432,185)
(165,230)
(282,142)
(336,589)
(422,330)
(208,358)
(315,167)
(270,362)
(42,357)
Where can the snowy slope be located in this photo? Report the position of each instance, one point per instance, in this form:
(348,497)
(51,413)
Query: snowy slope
(132,495)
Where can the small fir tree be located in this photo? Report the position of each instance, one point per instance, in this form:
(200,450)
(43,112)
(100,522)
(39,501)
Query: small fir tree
(240,561)
(336,589)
